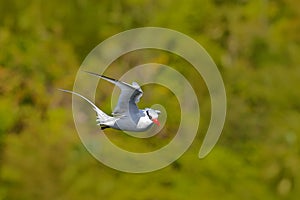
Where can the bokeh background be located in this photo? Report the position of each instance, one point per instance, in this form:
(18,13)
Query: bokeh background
(255,45)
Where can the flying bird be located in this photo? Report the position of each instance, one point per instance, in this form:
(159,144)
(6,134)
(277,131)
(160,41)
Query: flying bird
(126,115)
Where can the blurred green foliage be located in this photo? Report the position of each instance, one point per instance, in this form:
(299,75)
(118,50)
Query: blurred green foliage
(256,45)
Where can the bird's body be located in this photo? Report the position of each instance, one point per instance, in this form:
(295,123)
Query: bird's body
(126,115)
(141,123)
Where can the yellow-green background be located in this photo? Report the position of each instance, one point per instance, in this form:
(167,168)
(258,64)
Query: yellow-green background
(255,44)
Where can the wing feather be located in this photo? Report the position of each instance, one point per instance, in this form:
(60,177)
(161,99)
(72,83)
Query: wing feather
(129,96)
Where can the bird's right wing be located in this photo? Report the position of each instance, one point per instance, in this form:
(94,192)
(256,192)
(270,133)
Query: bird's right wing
(130,95)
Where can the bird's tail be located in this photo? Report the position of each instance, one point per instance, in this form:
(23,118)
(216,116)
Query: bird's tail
(102,118)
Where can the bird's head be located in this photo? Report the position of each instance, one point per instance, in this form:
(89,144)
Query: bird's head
(153,115)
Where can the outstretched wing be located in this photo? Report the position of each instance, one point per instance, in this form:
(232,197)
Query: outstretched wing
(130,95)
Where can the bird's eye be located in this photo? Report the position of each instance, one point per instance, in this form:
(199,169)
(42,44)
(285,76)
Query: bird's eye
(148,115)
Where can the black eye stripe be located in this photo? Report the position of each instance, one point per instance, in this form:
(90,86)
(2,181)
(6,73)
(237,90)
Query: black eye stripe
(148,115)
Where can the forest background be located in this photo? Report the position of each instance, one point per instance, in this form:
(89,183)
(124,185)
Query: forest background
(256,46)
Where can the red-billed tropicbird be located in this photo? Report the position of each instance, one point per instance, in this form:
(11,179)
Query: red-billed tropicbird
(126,115)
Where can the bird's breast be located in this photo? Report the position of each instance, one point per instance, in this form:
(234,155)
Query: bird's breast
(144,122)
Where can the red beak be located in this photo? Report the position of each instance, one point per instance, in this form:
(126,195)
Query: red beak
(155,121)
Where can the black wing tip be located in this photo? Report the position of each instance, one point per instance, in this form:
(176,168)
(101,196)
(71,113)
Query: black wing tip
(95,74)
(112,80)
(104,127)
